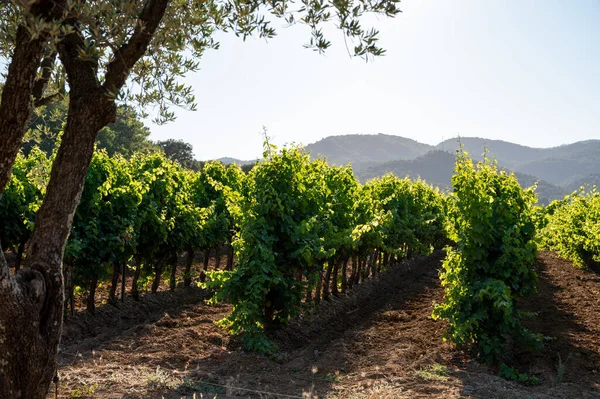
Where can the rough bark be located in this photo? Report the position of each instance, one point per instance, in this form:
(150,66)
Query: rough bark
(136,276)
(16,100)
(112,294)
(344,275)
(230,256)
(319,285)
(309,291)
(204,265)
(20,251)
(354,270)
(327,279)
(123,278)
(334,280)
(173,277)
(217,257)
(31,303)
(187,276)
(68,291)
(359,272)
(158,269)
(373,263)
(91,298)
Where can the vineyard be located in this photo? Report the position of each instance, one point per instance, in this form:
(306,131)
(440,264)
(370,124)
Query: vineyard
(276,251)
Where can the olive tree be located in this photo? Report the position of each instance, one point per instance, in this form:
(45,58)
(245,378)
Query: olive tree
(98,54)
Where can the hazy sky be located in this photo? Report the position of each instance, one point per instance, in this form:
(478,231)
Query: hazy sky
(522,71)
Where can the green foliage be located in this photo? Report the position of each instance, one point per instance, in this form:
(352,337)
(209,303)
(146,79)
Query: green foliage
(414,215)
(493,264)
(157,212)
(511,373)
(279,240)
(22,198)
(105,226)
(187,29)
(571,227)
(288,218)
(126,136)
(297,215)
(180,152)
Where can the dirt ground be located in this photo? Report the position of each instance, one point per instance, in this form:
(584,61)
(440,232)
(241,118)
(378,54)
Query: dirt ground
(379,341)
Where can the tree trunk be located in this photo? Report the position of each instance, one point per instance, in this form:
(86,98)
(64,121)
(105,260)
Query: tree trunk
(230,258)
(204,265)
(91,298)
(354,271)
(17,92)
(359,271)
(173,277)
(158,269)
(217,257)
(32,301)
(187,276)
(309,290)
(319,284)
(37,294)
(367,265)
(123,278)
(136,276)
(344,277)
(19,259)
(327,280)
(68,291)
(112,294)
(334,280)
(373,263)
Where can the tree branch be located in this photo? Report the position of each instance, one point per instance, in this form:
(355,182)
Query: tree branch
(49,99)
(6,279)
(15,103)
(129,53)
(41,83)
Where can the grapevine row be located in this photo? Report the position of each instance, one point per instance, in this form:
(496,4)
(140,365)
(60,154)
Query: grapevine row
(571,227)
(302,230)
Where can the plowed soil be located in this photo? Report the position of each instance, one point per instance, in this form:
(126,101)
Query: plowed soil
(378,341)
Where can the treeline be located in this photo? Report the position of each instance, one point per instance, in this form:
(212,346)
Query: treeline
(126,136)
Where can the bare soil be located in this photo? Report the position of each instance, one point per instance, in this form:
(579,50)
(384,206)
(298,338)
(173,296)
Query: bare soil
(377,341)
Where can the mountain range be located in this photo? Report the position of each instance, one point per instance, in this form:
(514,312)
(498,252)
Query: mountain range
(558,170)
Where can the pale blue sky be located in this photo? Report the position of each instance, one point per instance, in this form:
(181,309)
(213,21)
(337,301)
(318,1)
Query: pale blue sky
(521,70)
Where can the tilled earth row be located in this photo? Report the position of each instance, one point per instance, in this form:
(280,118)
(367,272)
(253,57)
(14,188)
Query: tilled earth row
(378,341)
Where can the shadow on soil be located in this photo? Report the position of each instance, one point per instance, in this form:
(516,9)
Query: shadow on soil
(568,366)
(321,348)
(378,341)
(111,321)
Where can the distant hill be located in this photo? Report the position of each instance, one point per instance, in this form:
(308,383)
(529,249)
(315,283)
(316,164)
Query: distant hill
(562,165)
(363,150)
(239,162)
(507,154)
(558,170)
(591,180)
(436,167)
